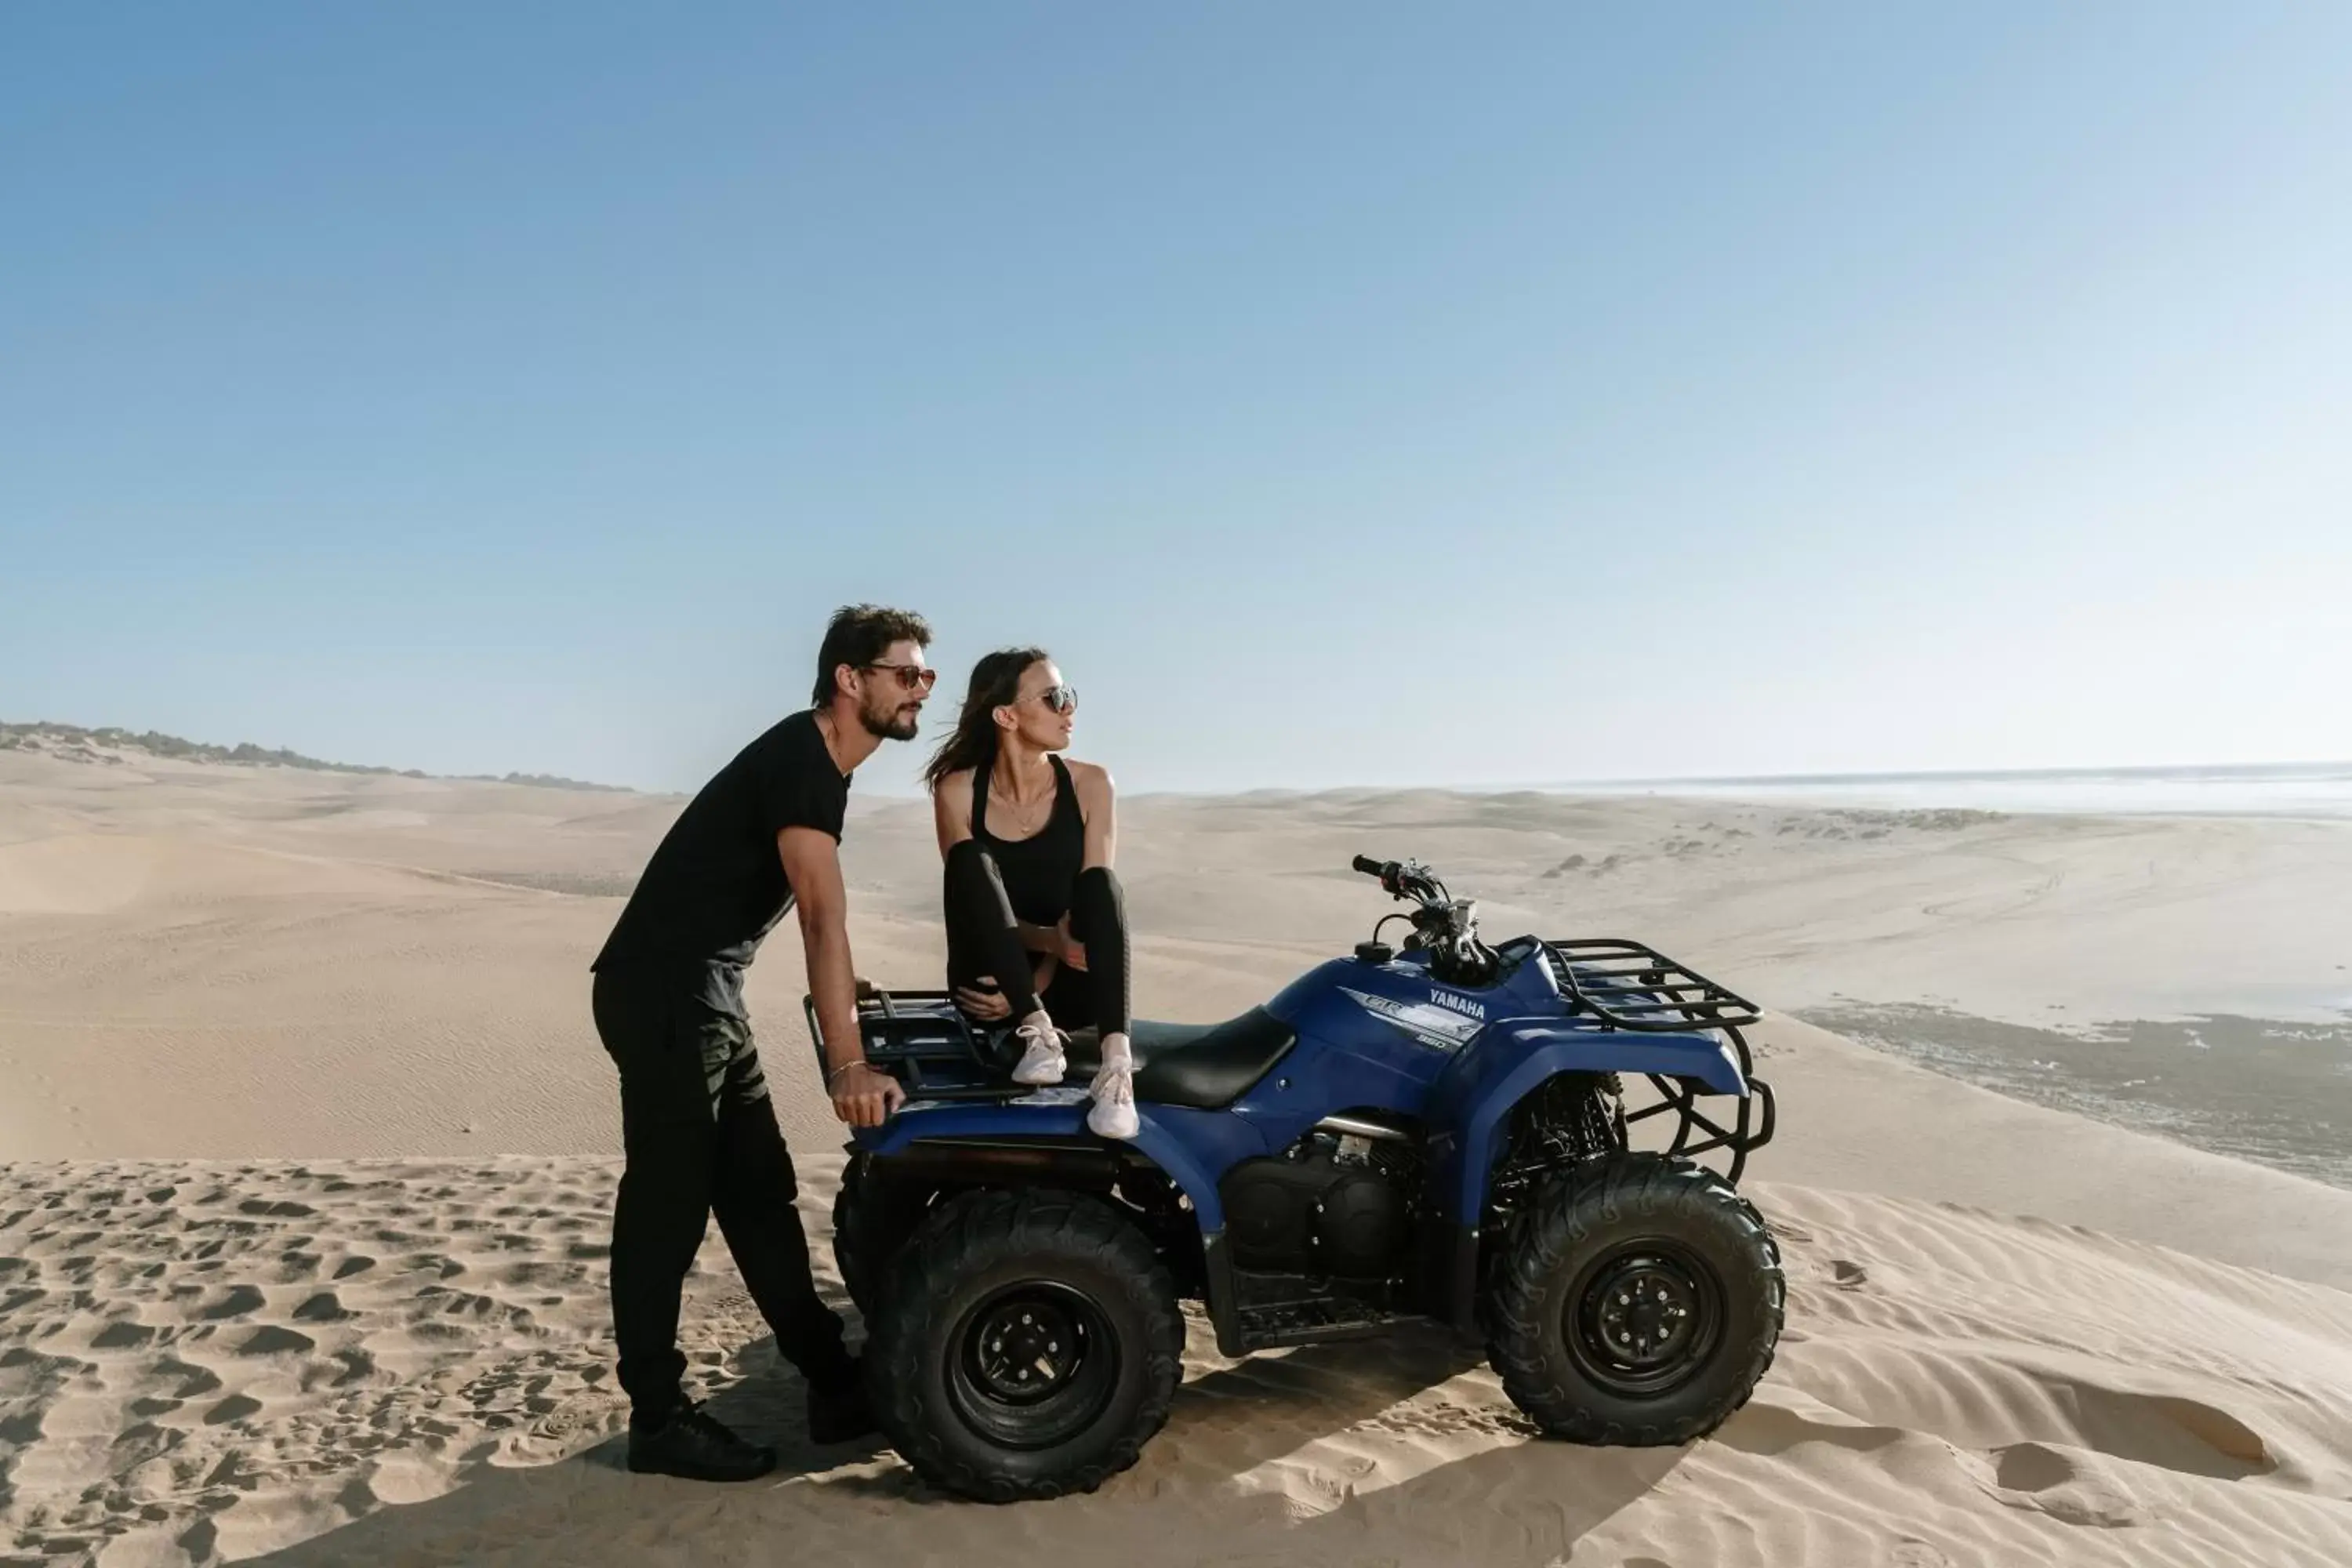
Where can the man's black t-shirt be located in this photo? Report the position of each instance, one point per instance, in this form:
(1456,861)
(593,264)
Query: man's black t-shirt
(716,885)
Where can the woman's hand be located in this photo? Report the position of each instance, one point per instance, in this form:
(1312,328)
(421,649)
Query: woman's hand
(862,1097)
(1071,952)
(987,1005)
(993,1005)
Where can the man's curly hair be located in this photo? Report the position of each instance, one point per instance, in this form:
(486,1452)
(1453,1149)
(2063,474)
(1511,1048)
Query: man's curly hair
(860,634)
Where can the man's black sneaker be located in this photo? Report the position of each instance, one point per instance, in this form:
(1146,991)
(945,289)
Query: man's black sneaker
(698,1446)
(838,1415)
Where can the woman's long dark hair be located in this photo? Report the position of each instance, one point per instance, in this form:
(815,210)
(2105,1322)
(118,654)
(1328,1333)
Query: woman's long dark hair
(995,681)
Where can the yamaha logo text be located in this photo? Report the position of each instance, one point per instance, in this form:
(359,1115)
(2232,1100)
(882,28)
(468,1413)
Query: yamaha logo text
(1460,1005)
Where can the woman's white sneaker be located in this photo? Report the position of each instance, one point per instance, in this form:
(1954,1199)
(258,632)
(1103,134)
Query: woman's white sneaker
(1042,1057)
(1113,1113)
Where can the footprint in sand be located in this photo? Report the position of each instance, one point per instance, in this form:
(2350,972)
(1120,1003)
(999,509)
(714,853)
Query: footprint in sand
(193,1381)
(122,1335)
(1917,1554)
(240,1300)
(2166,1430)
(1848,1276)
(275,1339)
(2059,1483)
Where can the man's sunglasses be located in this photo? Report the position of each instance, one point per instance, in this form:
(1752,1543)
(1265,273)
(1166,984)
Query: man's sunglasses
(911,676)
(1060,699)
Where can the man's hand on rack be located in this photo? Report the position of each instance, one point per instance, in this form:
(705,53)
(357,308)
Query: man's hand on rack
(864,1097)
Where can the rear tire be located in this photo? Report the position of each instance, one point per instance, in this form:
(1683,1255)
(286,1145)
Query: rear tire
(872,1218)
(1637,1302)
(1028,1346)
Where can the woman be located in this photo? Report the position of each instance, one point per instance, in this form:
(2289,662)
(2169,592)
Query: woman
(1036,927)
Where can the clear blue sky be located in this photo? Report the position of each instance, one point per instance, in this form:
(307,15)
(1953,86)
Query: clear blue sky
(1347,394)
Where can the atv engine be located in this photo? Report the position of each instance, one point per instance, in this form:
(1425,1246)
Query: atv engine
(1334,1203)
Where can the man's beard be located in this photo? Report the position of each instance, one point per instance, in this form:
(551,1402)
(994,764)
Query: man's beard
(892,722)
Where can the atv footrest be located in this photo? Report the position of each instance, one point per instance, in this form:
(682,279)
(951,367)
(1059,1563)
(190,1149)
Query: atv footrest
(1310,1323)
(1274,1309)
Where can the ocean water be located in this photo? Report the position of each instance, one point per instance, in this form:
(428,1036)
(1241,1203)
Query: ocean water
(2310,791)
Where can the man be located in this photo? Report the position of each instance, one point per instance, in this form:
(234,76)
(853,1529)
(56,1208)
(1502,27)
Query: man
(698,1128)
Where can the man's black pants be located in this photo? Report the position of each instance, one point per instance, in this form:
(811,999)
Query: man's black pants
(700,1137)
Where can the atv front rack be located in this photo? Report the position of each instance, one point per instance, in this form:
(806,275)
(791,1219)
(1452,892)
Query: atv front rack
(922,1039)
(1628,985)
(1625,984)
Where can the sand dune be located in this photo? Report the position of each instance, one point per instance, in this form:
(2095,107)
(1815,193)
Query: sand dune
(405,1361)
(90,874)
(2016,1335)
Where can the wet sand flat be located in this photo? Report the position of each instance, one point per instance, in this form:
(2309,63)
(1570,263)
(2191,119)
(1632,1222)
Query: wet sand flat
(2271,1090)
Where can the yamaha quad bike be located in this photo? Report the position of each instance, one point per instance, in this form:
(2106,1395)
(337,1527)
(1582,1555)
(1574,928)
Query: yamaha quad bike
(1441,1134)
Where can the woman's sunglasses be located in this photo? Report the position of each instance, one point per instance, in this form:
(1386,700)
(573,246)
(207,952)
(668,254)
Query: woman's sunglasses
(1060,699)
(911,676)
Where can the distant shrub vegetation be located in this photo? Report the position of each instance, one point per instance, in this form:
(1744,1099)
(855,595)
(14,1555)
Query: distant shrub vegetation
(68,739)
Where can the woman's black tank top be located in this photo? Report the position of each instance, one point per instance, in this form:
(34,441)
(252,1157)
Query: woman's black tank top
(1040,872)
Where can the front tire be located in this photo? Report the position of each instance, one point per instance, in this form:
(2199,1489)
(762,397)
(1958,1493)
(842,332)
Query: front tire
(1028,1346)
(1637,1302)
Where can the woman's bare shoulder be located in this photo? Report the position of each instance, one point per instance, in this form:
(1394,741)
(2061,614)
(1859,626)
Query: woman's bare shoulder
(1091,778)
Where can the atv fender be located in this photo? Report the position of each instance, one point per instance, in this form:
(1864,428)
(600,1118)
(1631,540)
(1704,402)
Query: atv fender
(1474,1097)
(1194,1148)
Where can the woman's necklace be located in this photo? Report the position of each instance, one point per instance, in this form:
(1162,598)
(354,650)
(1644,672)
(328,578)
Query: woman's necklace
(1025,818)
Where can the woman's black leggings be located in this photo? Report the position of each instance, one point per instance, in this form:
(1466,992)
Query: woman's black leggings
(982,938)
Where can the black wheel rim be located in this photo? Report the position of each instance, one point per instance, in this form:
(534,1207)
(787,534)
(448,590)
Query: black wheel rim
(1644,1318)
(1032,1365)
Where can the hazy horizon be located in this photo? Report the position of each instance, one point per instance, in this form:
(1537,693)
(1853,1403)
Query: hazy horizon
(2300,787)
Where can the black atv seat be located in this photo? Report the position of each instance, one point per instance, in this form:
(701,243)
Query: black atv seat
(1205,1066)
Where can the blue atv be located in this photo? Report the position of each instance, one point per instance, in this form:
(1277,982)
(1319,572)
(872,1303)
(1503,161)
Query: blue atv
(1437,1133)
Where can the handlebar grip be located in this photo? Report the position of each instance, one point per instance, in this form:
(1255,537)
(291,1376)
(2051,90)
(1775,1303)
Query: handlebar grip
(1370,867)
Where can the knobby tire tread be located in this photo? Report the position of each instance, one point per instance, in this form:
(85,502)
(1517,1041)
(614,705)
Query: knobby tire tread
(971,1233)
(1569,1210)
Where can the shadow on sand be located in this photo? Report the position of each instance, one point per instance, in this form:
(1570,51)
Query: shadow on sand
(1512,1501)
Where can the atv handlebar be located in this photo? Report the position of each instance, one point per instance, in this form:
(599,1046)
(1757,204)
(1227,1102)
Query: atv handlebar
(1447,928)
(1403,880)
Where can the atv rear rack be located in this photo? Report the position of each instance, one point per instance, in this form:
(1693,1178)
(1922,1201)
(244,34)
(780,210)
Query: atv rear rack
(1628,985)
(923,1040)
